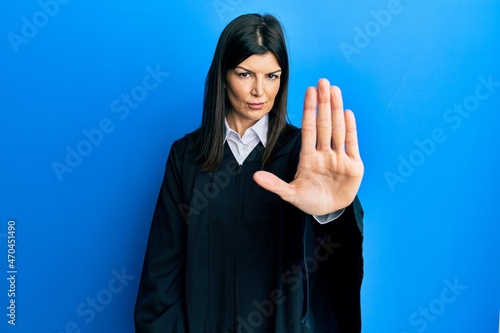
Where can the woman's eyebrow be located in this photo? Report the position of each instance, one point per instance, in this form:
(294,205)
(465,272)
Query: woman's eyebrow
(252,72)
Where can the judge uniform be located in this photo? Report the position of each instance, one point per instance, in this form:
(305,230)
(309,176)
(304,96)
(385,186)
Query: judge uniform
(225,255)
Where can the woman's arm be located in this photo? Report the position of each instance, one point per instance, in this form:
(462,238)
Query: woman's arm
(160,305)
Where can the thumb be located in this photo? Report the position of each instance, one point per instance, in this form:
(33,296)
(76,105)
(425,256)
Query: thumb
(273,184)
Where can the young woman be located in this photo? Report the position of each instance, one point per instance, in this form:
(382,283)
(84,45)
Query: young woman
(257,227)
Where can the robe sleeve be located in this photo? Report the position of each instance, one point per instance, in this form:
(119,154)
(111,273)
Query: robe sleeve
(333,262)
(160,305)
(334,265)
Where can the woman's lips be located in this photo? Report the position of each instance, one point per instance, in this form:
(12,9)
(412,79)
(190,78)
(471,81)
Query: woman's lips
(256,106)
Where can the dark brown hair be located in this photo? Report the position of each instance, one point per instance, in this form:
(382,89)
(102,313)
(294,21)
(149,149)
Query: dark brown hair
(243,37)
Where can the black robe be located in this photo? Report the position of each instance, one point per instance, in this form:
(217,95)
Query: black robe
(225,255)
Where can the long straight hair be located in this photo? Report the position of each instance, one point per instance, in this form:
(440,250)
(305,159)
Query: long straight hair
(243,37)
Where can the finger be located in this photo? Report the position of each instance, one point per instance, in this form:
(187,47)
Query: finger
(309,121)
(324,120)
(338,120)
(274,184)
(351,138)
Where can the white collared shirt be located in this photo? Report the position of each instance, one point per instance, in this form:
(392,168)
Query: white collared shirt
(241,147)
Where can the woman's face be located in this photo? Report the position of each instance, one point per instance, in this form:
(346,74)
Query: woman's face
(251,88)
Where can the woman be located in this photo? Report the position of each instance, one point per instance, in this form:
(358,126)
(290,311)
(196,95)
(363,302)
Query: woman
(257,227)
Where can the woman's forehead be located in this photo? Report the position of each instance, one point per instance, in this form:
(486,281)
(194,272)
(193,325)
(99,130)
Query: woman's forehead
(261,63)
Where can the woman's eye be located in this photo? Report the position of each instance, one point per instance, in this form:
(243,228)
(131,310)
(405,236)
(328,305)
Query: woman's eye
(244,75)
(273,76)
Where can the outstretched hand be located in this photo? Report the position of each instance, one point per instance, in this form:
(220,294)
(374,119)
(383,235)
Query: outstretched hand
(330,168)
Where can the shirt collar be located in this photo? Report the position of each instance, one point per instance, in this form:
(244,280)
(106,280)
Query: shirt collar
(259,129)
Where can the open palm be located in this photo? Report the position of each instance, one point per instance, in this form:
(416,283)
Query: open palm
(330,168)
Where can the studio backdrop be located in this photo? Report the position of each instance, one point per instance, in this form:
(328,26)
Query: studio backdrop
(92,94)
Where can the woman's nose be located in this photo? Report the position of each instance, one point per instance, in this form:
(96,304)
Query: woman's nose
(257,89)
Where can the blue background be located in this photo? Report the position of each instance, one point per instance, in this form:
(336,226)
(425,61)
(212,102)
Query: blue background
(405,67)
